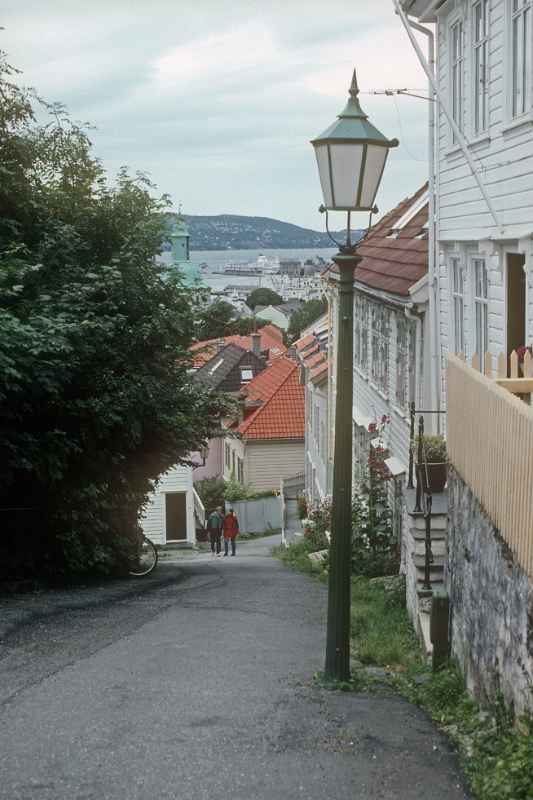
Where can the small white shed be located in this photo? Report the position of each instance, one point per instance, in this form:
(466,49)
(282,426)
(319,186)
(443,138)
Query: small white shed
(174,510)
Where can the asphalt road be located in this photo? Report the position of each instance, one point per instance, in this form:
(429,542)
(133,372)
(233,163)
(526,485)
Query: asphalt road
(197,683)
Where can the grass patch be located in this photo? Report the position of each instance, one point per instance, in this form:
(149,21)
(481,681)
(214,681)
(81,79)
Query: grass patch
(267,532)
(296,556)
(381,631)
(496,750)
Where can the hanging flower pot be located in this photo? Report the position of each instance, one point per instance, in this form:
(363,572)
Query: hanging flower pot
(432,471)
(433,477)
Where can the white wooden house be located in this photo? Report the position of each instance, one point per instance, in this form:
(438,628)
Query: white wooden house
(174,510)
(391,335)
(483,167)
(313,356)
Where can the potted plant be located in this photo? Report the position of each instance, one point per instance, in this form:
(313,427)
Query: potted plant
(433,469)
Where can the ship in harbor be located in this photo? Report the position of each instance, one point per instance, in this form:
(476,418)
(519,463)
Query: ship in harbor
(262,266)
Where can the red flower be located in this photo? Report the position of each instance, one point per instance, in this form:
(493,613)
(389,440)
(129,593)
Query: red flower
(372,428)
(521,352)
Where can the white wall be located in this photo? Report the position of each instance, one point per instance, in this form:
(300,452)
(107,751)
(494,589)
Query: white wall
(316,441)
(267,462)
(153,522)
(504,159)
(504,154)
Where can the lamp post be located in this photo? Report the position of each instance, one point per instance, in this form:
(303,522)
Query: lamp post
(351,156)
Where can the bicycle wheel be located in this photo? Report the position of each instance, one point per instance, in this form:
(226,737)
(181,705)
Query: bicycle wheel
(146,560)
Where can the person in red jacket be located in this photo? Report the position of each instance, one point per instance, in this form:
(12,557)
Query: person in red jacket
(231,529)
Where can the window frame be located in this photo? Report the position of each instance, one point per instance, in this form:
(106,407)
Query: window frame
(457,75)
(480,302)
(457,297)
(380,347)
(480,47)
(514,14)
(361,333)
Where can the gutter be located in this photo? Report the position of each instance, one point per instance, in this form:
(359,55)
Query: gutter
(434,303)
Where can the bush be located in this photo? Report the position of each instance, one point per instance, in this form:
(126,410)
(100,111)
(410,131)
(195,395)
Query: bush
(212,493)
(434,449)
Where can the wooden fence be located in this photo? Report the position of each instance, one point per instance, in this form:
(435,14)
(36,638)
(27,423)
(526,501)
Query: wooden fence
(490,443)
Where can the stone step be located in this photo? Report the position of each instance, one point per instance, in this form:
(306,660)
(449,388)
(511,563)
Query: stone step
(438,561)
(436,536)
(438,547)
(439,522)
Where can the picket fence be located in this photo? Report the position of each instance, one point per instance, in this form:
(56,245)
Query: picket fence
(490,443)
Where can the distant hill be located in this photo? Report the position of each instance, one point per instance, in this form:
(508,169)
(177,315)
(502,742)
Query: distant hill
(235,232)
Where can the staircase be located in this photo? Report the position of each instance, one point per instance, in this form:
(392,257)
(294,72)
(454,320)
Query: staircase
(418,595)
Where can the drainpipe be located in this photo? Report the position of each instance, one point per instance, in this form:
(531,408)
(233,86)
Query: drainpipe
(416,317)
(434,327)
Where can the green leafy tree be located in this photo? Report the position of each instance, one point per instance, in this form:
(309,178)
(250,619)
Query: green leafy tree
(263,297)
(95,397)
(307,314)
(215,320)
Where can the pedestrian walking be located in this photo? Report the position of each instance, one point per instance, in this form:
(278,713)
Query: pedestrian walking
(231,529)
(215,525)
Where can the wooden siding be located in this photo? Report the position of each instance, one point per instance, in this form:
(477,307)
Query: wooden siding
(504,158)
(177,479)
(490,443)
(266,463)
(504,155)
(316,442)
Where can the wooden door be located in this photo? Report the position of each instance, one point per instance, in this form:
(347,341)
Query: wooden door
(516,302)
(176,516)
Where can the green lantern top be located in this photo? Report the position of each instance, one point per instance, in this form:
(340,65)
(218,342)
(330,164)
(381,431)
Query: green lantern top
(351,156)
(352,124)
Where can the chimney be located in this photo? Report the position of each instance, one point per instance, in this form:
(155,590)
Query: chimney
(256,343)
(220,344)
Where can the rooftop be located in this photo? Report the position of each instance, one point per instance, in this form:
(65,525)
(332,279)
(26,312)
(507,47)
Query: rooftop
(271,344)
(395,251)
(230,368)
(281,414)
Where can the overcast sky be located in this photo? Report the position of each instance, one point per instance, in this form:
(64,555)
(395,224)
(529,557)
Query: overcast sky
(218,100)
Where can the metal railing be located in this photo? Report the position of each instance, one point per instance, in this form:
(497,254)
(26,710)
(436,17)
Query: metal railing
(424,495)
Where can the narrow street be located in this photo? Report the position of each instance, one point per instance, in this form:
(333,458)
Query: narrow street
(197,682)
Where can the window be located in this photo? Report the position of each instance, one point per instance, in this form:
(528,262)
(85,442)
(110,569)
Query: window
(227,455)
(481,307)
(240,470)
(246,375)
(457,285)
(233,463)
(405,361)
(457,58)
(361,333)
(480,42)
(520,56)
(316,428)
(380,346)
(322,444)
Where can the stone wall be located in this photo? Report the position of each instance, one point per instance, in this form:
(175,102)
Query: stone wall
(491,604)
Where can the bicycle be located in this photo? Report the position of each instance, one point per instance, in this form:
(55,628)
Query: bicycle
(146,559)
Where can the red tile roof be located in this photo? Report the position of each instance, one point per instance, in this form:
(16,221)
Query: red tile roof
(301,344)
(271,340)
(320,373)
(281,414)
(315,359)
(394,264)
(310,352)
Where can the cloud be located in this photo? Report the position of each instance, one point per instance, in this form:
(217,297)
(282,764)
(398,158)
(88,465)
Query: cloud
(219,101)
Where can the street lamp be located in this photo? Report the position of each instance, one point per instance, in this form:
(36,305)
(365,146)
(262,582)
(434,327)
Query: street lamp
(351,156)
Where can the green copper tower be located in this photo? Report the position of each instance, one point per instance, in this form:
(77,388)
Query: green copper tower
(180,240)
